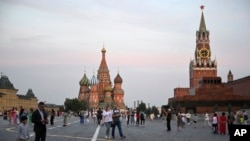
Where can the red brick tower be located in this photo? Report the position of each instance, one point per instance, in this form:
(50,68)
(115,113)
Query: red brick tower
(108,95)
(118,93)
(103,76)
(84,88)
(230,76)
(93,95)
(202,65)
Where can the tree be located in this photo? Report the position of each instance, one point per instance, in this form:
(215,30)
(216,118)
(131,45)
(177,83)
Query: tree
(148,111)
(155,110)
(75,105)
(141,107)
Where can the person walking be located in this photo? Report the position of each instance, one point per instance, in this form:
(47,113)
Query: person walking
(230,121)
(81,115)
(14,115)
(9,116)
(99,115)
(178,117)
(23,131)
(245,117)
(21,113)
(195,119)
(132,116)
(169,117)
(142,117)
(116,119)
(65,116)
(94,116)
(128,116)
(188,117)
(39,118)
(207,119)
(30,115)
(215,123)
(107,120)
(52,117)
(138,118)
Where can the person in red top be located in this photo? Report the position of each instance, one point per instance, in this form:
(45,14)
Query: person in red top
(137,118)
(222,124)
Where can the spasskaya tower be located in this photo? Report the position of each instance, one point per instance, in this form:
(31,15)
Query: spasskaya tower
(202,65)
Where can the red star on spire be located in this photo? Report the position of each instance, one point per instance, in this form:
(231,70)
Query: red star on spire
(202,7)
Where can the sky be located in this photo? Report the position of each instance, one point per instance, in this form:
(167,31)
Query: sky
(47,45)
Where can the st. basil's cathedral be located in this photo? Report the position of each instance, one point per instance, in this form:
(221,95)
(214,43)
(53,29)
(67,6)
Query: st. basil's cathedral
(98,91)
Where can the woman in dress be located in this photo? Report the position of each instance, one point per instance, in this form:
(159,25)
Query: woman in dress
(14,116)
(30,115)
(222,123)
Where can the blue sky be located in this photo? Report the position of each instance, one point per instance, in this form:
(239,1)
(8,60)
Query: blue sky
(46,45)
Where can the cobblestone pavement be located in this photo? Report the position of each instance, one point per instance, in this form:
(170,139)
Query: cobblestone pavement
(152,131)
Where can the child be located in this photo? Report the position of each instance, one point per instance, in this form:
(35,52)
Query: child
(23,132)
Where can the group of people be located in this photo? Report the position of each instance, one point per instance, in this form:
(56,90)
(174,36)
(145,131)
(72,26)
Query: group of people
(108,117)
(183,119)
(219,122)
(135,117)
(38,117)
(14,116)
(111,119)
(96,115)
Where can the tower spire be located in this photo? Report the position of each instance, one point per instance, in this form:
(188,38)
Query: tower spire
(202,22)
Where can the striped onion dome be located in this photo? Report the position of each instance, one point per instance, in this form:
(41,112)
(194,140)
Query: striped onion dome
(118,79)
(84,81)
(93,80)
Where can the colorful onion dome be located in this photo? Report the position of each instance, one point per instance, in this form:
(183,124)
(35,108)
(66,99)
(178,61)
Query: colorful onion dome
(118,79)
(93,80)
(84,81)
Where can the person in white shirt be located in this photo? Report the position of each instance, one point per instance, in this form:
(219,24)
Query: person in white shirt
(215,123)
(188,117)
(245,117)
(94,116)
(107,120)
(23,132)
(207,119)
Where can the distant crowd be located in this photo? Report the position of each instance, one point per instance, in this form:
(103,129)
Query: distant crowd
(218,122)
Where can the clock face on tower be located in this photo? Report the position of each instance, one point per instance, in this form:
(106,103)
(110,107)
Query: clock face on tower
(204,53)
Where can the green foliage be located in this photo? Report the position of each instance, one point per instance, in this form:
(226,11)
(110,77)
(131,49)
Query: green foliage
(61,108)
(148,111)
(155,110)
(75,105)
(141,107)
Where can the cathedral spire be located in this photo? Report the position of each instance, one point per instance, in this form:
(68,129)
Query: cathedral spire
(103,72)
(103,64)
(202,22)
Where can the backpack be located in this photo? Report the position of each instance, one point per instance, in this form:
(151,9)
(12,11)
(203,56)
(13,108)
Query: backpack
(142,116)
